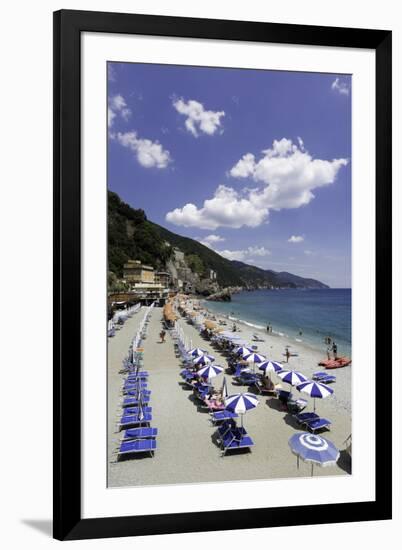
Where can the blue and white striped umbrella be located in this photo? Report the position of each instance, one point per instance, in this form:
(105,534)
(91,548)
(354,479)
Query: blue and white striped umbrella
(210,371)
(254,358)
(243,351)
(270,366)
(314,448)
(203,360)
(197,352)
(292,377)
(240,403)
(315,389)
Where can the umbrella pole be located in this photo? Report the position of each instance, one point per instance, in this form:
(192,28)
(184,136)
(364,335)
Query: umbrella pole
(312,469)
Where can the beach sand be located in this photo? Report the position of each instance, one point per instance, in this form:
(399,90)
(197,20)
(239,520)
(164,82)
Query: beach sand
(187,449)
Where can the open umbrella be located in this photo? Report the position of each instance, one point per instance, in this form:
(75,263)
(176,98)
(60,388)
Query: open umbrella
(197,352)
(270,366)
(254,358)
(314,448)
(203,360)
(292,377)
(243,351)
(240,403)
(315,389)
(210,371)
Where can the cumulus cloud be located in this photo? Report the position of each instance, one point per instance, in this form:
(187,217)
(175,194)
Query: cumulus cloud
(286,176)
(296,239)
(340,86)
(198,119)
(117,106)
(149,154)
(210,240)
(248,254)
(227,208)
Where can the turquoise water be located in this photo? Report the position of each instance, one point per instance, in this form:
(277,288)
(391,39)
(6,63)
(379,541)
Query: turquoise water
(314,313)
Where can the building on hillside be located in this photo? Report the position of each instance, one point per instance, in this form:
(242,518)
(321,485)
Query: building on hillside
(135,272)
(162,278)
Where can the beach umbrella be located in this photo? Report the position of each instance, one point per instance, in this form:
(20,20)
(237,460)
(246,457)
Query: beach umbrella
(270,366)
(315,390)
(210,371)
(254,358)
(203,360)
(243,351)
(314,448)
(224,389)
(196,352)
(240,403)
(292,377)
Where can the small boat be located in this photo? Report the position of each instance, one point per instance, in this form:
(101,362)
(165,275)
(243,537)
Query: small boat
(335,363)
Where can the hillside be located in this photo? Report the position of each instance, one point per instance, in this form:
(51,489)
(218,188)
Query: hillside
(132,236)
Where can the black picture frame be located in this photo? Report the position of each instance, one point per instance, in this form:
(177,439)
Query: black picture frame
(68,27)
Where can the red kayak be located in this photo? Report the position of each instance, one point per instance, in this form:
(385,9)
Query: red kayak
(335,363)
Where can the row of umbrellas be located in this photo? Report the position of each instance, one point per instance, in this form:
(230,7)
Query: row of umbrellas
(309,447)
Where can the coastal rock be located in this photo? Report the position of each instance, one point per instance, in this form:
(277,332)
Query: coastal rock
(222,296)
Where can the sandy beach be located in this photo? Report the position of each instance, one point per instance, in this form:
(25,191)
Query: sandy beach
(187,449)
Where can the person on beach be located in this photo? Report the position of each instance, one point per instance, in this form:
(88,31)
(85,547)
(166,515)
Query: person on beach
(335,350)
(287,353)
(162,335)
(328,353)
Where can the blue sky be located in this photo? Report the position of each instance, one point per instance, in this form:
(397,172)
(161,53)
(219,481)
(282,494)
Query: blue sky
(255,164)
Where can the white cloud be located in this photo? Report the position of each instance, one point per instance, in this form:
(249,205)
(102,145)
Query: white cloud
(340,86)
(296,239)
(227,208)
(286,177)
(149,153)
(117,106)
(248,254)
(198,119)
(209,240)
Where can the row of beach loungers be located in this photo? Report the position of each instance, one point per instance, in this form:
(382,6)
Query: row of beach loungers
(119,318)
(229,436)
(135,418)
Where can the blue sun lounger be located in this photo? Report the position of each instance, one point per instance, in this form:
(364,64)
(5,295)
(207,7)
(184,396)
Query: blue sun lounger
(128,387)
(316,424)
(220,416)
(233,442)
(132,420)
(136,410)
(324,377)
(140,433)
(136,446)
(305,417)
(134,402)
(137,390)
(230,426)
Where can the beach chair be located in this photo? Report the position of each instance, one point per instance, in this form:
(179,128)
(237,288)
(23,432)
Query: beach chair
(233,443)
(132,420)
(136,446)
(265,388)
(134,402)
(303,417)
(221,416)
(230,426)
(284,396)
(295,407)
(324,377)
(136,410)
(129,386)
(138,391)
(316,424)
(140,433)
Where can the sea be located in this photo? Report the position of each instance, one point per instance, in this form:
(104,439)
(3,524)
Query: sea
(302,315)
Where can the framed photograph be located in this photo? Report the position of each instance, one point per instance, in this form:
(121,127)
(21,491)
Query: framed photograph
(222,275)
